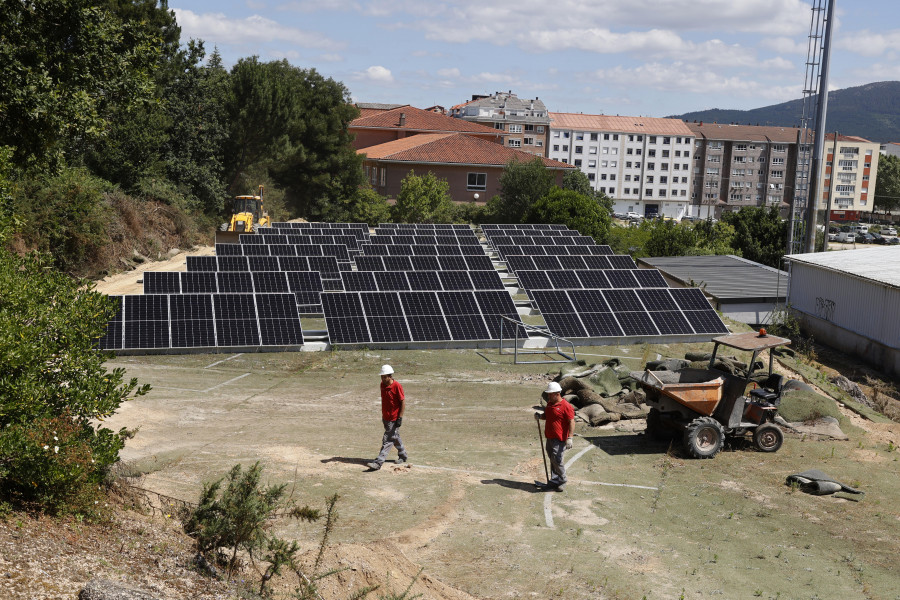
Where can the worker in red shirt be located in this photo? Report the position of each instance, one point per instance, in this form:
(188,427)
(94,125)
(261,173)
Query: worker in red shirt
(559,428)
(393,403)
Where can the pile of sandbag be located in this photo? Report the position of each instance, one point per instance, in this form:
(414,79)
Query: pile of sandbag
(602,393)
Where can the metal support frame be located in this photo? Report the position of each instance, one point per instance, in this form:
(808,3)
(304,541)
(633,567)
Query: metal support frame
(516,351)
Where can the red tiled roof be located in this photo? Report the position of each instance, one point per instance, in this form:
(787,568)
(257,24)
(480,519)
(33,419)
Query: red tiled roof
(451,148)
(419,120)
(646,125)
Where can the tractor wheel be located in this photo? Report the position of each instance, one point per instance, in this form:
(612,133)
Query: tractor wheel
(704,437)
(768,437)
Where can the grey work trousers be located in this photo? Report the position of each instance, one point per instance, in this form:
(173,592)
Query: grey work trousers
(391,438)
(555,451)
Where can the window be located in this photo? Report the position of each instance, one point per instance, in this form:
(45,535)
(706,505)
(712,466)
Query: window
(638,151)
(604,163)
(648,192)
(579,149)
(651,166)
(710,171)
(714,159)
(579,135)
(556,134)
(594,137)
(649,179)
(684,180)
(613,163)
(615,137)
(616,151)
(664,166)
(777,161)
(606,136)
(637,165)
(778,174)
(383,176)
(592,177)
(652,139)
(577,162)
(566,134)
(592,163)
(662,193)
(565,147)
(677,153)
(528,141)
(540,129)
(539,143)
(477,182)
(592,150)
(635,190)
(640,138)
(628,150)
(651,152)
(556,147)
(605,150)
(740,147)
(779,148)
(667,140)
(628,178)
(515,143)
(847,165)
(845,190)
(603,176)
(612,177)
(663,179)
(498,126)
(849,150)
(677,167)
(515,128)
(529,128)
(628,164)
(665,153)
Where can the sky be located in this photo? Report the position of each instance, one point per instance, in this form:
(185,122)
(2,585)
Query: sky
(617,57)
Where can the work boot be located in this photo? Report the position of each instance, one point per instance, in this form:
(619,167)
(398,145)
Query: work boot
(401,459)
(374,466)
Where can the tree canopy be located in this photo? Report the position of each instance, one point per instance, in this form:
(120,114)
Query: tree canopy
(423,199)
(521,185)
(887,184)
(573,209)
(759,234)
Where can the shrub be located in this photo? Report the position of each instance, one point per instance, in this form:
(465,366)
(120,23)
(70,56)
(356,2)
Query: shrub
(54,387)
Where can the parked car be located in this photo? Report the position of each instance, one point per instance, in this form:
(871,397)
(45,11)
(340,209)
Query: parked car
(845,228)
(889,231)
(633,215)
(832,237)
(878,238)
(893,241)
(864,238)
(845,237)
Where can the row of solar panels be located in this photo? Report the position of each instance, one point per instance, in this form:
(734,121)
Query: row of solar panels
(542,240)
(517,263)
(203,321)
(268,238)
(379,317)
(425,226)
(424,263)
(339,251)
(507,251)
(590,279)
(622,312)
(421,250)
(357,234)
(525,226)
(424,239)
(328,266)
(320,225)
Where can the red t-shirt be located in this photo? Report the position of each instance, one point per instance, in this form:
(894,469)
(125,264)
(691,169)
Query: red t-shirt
(391,397)
(559,417)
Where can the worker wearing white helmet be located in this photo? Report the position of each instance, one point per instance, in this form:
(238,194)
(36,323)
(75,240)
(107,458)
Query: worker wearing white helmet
(393,404)
(559,428)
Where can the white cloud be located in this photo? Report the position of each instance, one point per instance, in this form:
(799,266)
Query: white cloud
(869,43)
(448,73)
(376,73)
(217,28)
(777,64)
(330,57)
(785,45)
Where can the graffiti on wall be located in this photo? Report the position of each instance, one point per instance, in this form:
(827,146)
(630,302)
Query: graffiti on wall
(825,308)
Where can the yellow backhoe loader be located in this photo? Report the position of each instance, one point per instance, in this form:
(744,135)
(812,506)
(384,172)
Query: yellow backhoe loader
(248,214)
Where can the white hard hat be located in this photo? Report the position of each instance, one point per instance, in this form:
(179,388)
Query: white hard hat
(552,387)
(387,370)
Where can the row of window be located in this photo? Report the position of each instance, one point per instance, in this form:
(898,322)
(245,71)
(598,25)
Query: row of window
(614,137)
(517,128)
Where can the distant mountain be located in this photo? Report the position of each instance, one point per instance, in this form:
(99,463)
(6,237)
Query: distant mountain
(871,111)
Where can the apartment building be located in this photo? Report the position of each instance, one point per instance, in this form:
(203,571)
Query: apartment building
(525,123)
(642,163)
(751,165)
(849,176)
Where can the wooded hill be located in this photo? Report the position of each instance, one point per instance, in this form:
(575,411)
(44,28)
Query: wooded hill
(871,111)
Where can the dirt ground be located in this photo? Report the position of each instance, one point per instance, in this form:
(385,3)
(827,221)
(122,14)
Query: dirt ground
(637,520)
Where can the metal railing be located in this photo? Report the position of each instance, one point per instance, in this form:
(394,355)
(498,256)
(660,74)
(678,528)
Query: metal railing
(544,332)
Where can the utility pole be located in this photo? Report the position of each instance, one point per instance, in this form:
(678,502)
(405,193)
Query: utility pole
(812,201)
(830,193)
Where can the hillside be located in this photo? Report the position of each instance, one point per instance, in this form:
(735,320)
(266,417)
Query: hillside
(871,111)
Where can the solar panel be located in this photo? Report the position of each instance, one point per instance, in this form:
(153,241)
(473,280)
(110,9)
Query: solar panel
(546,263)
(621,261)
(649,278)
(517,263)
(556,250)
(566,325)
(425,263)
(552,301)
(192,321)
(308,249)
(270,282)
(359,281)
(452,263)
(600,324)
(308,302)
(420,303)
(478,263)
(376,250)
(670,322)
(586,301)
(656,299)
(428,328)
(369,263)
(622,300)
(486,280)
(705,321)
(233,263)
(254,250)
(234,283)
(397,263)
(621,279)
(455,280)
(199,282)
(388,329)
(146,321)
(636,323)
(496,303)
(458,303)
(572,262)
(293,263)
(252,238)
(391,280)
(229,250)
(282,250)
(304,281)
(342,305)
(593,279)
(332,285)
(202,263)
(279,320)
(424,280)
(236,323)
(112,337)
(534,280)
(162,282)
(326,265)
(601,250)
(381,304)
(467,327)
(264,263)
(690,299)
(596,262)
(564,280)
(453,250)
(423,250)
(347,330)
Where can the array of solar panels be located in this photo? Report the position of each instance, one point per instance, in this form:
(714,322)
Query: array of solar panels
(583,290)
(199,321)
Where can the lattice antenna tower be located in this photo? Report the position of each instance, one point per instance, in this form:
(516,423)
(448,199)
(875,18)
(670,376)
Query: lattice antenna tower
(815,99)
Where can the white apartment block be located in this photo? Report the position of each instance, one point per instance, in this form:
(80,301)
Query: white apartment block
(642,163)
(854,170)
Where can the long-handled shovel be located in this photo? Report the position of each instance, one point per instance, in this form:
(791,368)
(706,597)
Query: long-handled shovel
(543,450)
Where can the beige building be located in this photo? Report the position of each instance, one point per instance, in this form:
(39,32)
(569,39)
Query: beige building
(525,124)
(849,179)
(642,163)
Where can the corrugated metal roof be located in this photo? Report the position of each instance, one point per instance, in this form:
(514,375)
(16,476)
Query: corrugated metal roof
(725,277)
(881,264)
